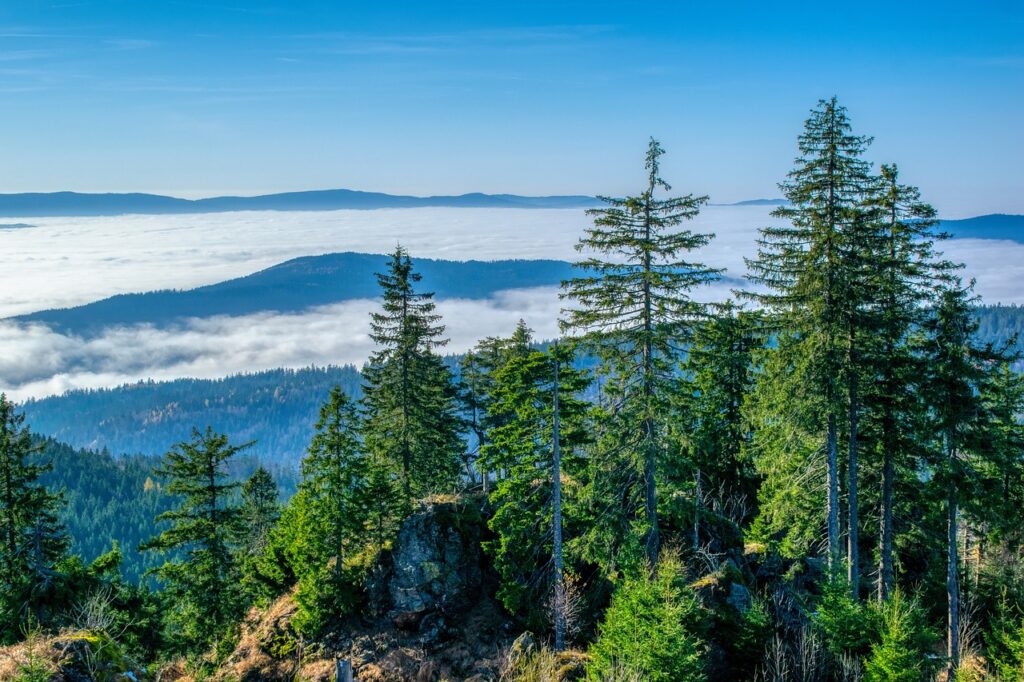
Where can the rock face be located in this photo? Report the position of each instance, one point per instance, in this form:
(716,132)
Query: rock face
(435,566)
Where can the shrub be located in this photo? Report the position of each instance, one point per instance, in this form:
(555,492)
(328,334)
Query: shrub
(899,655)
(1005,643)
(847,626)
(651,630)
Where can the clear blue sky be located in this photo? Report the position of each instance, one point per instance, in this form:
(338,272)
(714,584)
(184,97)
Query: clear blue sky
(251,96)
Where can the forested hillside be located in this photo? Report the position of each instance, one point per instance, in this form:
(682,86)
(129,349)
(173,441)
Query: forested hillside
(110,500)
(819,480)
(276,408)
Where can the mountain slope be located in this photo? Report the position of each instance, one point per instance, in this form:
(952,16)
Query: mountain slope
(298,284)
(992,226)
(277,409)
(38,204)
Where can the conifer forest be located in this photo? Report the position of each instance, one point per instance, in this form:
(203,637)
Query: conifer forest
(817,478)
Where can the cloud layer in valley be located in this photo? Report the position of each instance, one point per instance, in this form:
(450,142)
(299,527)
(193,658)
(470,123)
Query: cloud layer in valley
(69,261)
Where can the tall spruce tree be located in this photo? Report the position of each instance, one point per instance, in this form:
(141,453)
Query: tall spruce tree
(813,270)
(634,310)
(202,578)
(1004,495)
(32,539)
(523,446)
(959,370)
(907,272)
(412,422)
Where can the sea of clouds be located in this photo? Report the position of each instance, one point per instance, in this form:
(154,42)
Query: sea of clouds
(61,262)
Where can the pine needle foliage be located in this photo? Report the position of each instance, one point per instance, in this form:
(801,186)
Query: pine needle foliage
(203,584)
(522,447)
(411,418)
(633,308)
(32,540)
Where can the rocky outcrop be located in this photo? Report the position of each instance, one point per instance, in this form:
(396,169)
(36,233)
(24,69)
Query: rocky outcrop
(434,569)
(429,614)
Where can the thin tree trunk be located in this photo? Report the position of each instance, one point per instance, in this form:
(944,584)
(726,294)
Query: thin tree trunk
(853,559)
(952,588)
(832,502)
(697,500)
(653,542)
(952,581)
(557,516)
(885,572)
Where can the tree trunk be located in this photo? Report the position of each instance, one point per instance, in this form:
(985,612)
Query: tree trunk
(853,558)
(556,467)
(697,501)
(952,587)
(832,502)
(885,572)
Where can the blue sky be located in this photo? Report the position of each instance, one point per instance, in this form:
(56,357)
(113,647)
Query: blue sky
(250,96)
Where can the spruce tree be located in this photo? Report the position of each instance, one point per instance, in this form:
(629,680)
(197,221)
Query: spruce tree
(409,396)
(32,539)
(719,376)
(201,580)
(258,516)
(812,272)
(1004,492)
(477,385)
(633,308)
(523,446)
(476,389)
(959,370)
(907,271)
(260,510)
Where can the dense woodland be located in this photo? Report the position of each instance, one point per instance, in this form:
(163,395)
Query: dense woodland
(841,421)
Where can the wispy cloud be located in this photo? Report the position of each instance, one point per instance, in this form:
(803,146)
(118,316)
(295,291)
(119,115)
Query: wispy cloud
(129,43)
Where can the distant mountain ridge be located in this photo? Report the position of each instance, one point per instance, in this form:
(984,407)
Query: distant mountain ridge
(991,226)
(297,285)
(53,204)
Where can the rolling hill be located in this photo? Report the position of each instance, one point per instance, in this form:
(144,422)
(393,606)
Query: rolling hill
(992,226)
(299,284)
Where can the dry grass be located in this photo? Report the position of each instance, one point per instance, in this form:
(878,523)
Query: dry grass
(544,665)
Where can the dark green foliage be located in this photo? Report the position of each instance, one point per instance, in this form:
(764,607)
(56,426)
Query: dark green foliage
(203,584)
(847,625)
(905,274)
(783,410)
(476,388)
(411,420)
(633,308)
(711,427)
(652,630)
(1005,642)
(330,527)
(257,518)
(32,539)
(521,447)
(277,409)
(813,270)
